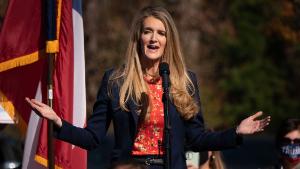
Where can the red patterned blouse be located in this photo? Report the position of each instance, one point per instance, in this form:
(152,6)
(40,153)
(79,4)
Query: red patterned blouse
(150,133)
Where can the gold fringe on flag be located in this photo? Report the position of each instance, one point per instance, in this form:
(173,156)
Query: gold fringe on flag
(21,61)
(8,106)
(44,161)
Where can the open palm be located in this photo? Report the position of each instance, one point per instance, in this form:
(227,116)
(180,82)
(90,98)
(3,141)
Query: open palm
(44,110)
(250,125)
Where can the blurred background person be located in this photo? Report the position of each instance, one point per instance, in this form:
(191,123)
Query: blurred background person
(288,144)
(207,160)
(214,161)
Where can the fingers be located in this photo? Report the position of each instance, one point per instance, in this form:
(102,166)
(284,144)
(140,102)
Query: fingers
(30,102)
(37,106)
(35,103)
(257,114)
(38,103)
(33,106)
(267,119)
(265,122)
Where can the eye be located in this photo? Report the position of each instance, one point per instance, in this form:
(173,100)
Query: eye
(163,33)
(146,31)
(297,140)
(286,140)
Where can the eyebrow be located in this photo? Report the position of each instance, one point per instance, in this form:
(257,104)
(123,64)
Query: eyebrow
(149,28)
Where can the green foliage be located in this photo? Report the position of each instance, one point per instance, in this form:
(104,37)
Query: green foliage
(256,73)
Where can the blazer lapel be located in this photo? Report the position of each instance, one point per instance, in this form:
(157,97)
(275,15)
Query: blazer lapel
(133,110)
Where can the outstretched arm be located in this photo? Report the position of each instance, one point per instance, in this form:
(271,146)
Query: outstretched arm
(198,138)
(97,125)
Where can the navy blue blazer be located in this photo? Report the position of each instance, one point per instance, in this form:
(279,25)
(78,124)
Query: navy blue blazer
(184,133)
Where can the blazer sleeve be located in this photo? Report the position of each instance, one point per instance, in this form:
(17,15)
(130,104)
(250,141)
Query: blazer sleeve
(97,125)
(200,139)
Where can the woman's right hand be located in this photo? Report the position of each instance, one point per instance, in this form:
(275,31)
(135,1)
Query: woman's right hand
(45,111)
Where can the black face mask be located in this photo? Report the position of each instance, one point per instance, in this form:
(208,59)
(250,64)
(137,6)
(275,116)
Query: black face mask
(291,152)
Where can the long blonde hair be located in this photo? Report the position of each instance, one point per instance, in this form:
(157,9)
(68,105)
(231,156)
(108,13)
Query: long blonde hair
(133,85)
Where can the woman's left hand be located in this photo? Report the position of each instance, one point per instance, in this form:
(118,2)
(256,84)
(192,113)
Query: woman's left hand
(250,125)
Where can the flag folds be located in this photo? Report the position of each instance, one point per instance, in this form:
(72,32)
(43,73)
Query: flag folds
(23,72)
(21,57)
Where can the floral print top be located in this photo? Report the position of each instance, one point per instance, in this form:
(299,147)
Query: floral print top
(149,137)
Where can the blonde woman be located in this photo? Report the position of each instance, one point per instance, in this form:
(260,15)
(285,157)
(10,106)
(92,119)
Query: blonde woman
(131,98)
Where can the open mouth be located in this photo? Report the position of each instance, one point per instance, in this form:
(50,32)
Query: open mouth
(152,47)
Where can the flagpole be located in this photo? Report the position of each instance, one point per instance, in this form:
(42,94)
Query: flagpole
(50,123)
(51,35)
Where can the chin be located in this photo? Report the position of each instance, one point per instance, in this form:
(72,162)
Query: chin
(153,57)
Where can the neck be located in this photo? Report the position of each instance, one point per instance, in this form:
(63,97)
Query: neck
(152,72)
(150,67)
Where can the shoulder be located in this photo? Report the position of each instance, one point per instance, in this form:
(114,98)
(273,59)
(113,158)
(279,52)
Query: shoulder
(108,72)
(106,76)
(106,87)
(115,73)
(113,78)
(192,75)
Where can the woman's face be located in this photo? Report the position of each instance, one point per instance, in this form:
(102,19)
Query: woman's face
(153,38)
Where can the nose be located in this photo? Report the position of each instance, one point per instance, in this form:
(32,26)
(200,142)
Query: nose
(153,37)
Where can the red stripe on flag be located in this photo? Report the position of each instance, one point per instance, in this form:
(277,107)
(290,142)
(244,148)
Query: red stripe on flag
(62,87)
(23,29)
(21,39)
